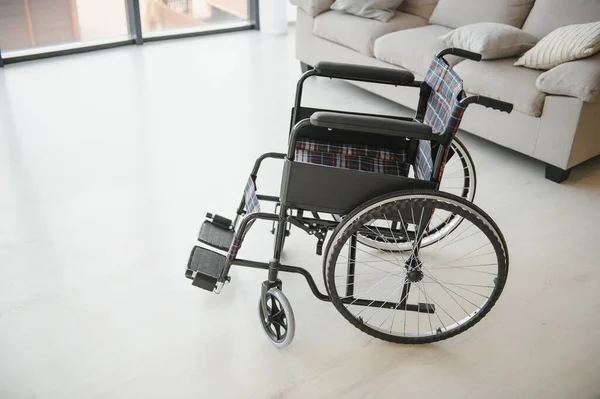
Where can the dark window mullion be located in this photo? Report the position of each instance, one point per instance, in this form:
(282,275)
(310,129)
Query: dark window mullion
(134,20)
(254,14)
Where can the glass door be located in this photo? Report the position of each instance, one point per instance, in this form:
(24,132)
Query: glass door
(172,17)
(39,26)
(31,29)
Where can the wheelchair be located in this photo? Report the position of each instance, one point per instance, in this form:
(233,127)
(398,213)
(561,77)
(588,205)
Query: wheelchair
(407,257)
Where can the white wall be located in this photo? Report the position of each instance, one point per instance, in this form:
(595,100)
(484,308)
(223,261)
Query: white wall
(291,13)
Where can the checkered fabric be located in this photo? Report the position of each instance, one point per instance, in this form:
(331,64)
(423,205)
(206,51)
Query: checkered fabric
(423,161)
(443,113)
(250,198)
(353,156)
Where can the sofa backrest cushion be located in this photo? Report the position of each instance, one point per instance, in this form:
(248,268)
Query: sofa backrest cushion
(457,13)
(547,15)
(421,8)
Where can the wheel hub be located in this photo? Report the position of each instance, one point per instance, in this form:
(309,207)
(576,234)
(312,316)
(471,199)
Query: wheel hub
(415,275)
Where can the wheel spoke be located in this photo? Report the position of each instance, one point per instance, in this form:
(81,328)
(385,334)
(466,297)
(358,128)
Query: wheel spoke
(280,324)
(454,299)
(387,242)
(277,330)
(437,305)
(387,299)
(372,267)
(362,281)
(400,300)
(462,288)
(373,301)
(428,314)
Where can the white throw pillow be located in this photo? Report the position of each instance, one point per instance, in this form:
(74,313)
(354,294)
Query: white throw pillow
(491,40)
(381,10)
(562,45)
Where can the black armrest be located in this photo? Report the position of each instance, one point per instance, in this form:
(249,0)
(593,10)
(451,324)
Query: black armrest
(373,124)
(364,73)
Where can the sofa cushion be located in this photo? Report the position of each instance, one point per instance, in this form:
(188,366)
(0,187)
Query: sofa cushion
(579,79)
(422,8)
(501,80)
(457,13)
(547,15)
(413,49)
(360,33)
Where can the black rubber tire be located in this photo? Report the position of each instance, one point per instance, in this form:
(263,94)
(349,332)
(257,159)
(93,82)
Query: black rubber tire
(475,215)
(470,164)
(282,301)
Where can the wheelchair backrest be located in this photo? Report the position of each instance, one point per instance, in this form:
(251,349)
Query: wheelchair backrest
(439,107)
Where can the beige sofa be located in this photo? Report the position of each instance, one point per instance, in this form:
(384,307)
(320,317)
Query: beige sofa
(556,117)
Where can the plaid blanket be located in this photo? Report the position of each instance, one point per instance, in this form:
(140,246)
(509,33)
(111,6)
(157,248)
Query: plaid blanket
(250,198)
(353,156)
(443,112)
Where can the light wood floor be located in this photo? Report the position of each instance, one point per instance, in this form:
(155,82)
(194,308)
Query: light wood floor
(108,162)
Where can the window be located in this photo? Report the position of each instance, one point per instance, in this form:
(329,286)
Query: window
(36,24)
(172,16)
(31,28)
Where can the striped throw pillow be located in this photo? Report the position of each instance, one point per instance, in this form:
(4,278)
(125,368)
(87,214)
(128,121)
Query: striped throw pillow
(564,44)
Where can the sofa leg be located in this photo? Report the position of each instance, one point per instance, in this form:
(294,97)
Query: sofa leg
(557,174)
(305,67)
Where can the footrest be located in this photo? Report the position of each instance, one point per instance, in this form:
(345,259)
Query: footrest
(205,267)
(220,221)
(215,235)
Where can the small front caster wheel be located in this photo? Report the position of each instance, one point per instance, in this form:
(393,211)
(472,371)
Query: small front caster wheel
(278,322)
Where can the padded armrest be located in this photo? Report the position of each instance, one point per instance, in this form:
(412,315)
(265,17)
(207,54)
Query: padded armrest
(579,79)
(364,73)
(373,124)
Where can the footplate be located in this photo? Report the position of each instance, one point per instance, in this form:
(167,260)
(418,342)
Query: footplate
(205,267)
(215,235)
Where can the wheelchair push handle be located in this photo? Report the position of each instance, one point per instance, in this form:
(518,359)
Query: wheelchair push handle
(362,73)
(460,53)
(495,104)
(488,102)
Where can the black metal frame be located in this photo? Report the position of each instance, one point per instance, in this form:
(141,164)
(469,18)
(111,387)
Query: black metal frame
(305,119)
(136,35)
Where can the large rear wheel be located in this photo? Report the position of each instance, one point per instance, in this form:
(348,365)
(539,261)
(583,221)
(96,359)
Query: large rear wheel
(423,294)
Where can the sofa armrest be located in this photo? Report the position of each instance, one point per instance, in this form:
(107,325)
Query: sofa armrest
(579,79)
(313,7)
